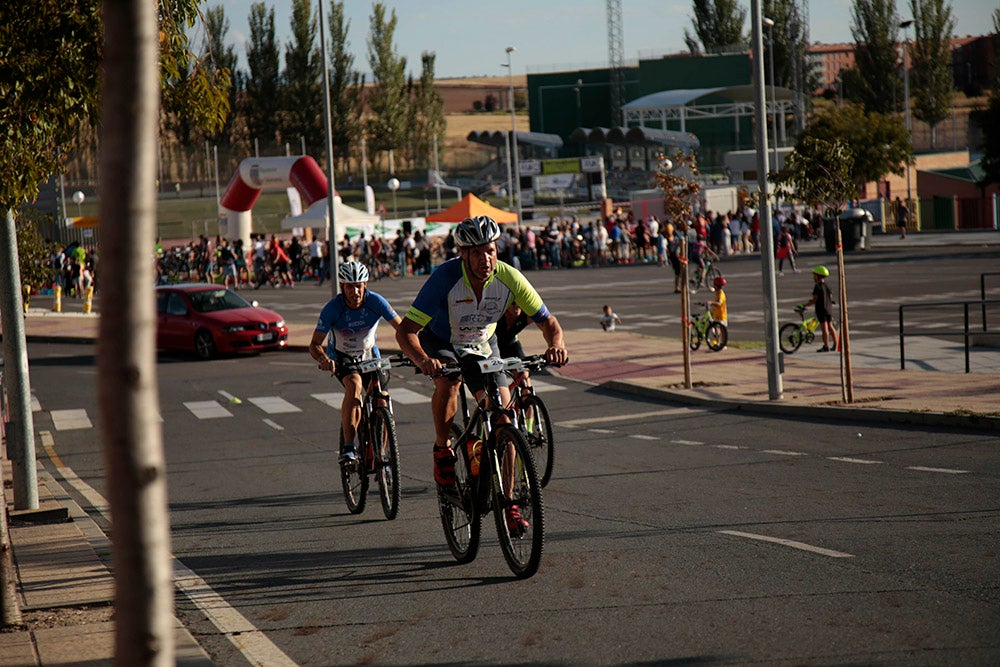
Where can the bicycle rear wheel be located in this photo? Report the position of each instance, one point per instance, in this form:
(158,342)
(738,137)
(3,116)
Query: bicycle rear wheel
(790,337)
(386,450)
(354,475)
(694,279)
(521,543)
(694,338)
(539,436)
(716,335)
(459,515)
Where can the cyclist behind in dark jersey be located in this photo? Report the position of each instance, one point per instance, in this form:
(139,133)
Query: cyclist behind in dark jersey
(350,320)
(512,323)
(454,317)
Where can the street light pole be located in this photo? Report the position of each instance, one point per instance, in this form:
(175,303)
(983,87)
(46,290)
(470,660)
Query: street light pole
(774,100)
(515,154)
(905,25)
(331,226)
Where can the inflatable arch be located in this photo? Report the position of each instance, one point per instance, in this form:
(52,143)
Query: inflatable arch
(255,174)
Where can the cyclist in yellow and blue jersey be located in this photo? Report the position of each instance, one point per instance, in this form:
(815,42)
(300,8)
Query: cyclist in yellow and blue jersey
(454,318)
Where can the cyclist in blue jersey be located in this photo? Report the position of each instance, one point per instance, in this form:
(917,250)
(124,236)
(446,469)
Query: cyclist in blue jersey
(349,321)
(454,317)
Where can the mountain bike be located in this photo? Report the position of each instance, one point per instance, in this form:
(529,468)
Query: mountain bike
(385,266)
(494,471)
(703,277)
(531,416)
(793,334)
(713,332)
(378,450)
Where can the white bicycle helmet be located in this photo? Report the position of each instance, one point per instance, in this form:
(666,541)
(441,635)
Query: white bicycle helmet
(476,231)
(352,272)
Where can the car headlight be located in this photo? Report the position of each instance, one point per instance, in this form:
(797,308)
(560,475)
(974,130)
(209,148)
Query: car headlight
(234,328)
(280,323)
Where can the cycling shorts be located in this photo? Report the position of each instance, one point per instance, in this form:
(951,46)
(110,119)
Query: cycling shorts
(439,348)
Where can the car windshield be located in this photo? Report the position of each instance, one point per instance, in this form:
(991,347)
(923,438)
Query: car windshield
(208,301)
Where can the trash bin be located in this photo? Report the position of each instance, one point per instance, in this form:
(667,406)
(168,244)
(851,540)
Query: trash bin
(854,229)
(830,234)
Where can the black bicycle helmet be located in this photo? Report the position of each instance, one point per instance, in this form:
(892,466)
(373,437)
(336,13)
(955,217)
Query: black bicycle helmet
(476,231)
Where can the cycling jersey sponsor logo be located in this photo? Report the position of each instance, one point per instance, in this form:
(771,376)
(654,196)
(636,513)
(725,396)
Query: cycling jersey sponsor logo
(475,318)
(492,306)
(460,302)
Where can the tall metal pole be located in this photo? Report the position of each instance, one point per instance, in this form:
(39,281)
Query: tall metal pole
(515,157)
(774,100)
(331,225)
(905,25)
(437,173)
(774,389)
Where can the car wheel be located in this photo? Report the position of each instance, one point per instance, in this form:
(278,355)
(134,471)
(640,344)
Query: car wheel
(204,346)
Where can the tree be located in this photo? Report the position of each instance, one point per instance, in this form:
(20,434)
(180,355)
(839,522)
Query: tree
(428,110)
(990,122)
(718,25)
(677,177)
(878,143)
(875,28)
(387,100)
(302,88)
(819,173)
(215,49)
(261,105)
(346,85)
(931,61)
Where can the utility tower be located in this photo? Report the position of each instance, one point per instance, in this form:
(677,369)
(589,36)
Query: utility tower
(616,59)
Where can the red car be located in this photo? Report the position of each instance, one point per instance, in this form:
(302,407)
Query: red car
(210,320)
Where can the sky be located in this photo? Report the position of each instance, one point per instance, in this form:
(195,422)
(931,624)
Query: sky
(470,37)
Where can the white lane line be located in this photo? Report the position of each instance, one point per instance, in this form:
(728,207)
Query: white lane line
(276,426)
(728,447)
(68,420)
(788,543)
(334,399)
(689,443)
(545,387)
(406,396)
(273,405)
(782,452)
(248,640)
(207,409)
(848,459)
(602,431)
(947,471)
(619,418)
(644,437)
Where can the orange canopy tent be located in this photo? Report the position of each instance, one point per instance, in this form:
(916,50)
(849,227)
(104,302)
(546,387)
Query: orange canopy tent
(470,207)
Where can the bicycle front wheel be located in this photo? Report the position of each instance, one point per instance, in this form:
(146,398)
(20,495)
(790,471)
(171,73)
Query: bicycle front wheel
(694,339)
(716,335)
(517,502)
(354,476)
(790,338)
(538,434)
(459,515)
(386,460)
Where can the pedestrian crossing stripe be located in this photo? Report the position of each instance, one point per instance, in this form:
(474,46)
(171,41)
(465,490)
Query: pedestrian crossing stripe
(333,399)
(36,406)
(543,387)
(207,409)
(273,405)
(68,420)
(405,396)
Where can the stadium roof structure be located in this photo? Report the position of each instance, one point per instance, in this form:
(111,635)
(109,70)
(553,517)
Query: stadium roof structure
(636,136)
(551,142)
(681,105)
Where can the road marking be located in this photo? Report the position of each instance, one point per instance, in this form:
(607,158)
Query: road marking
(541,386)
(276,426)
(248,640)
(602,431)
(226,395)
(848,459)
(728,447)
(644,437)
(783,452)
(788,543)
(334,399)
(68,420)
(207,409)
(36,406)
(619,418)
(407,396)
(273,405)
(947,471)
(690,443)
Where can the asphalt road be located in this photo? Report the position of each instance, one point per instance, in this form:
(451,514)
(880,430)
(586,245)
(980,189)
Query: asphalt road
(672,533)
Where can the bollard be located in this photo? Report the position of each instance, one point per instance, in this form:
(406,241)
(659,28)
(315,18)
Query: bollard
(88,299)
(57,301)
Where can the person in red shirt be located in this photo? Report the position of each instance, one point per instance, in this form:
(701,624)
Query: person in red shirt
(280,262)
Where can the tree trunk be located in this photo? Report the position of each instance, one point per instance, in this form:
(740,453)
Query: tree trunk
(127,389)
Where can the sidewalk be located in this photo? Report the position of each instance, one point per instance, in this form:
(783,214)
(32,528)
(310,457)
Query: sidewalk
(66,590)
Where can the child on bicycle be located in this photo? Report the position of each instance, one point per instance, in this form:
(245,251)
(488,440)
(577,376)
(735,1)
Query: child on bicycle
(718,307)
(697,250)
(350,320)
(823,299)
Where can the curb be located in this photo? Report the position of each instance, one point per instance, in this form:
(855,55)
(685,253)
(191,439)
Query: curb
(835,413)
